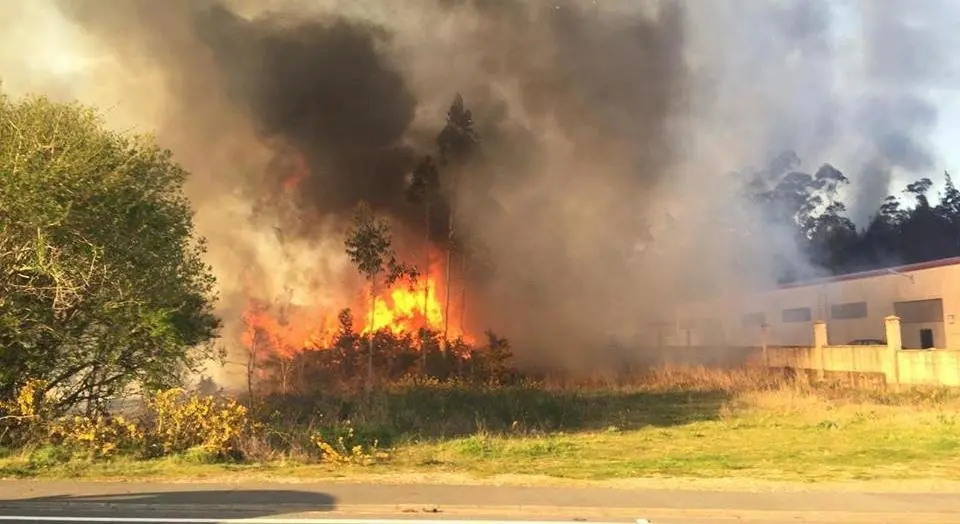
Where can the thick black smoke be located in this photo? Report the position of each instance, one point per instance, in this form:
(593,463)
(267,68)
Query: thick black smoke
(317,84)
(576,106)
(324,88)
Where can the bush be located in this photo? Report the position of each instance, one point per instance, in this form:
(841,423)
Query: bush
(343,446)
(22,419)
(48,456)
(173,422)
(97,437)
(181,422)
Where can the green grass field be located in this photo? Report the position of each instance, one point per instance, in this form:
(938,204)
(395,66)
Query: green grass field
(716,428)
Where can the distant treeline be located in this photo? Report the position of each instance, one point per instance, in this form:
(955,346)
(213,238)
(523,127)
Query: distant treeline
(807,205)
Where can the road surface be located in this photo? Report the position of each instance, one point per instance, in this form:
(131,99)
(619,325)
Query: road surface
(349,503)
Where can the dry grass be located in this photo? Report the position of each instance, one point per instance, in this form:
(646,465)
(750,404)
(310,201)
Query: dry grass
(679,422)
(673,378)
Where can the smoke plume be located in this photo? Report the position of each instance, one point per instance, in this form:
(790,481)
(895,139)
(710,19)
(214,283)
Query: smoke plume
(600,198)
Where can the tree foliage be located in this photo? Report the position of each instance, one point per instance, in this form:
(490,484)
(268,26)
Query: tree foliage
(906,228)
(102,280)
(458,140)
(369,244)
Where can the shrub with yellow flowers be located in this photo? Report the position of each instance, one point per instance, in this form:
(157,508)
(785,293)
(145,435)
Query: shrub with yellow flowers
(97,436)
(345,447)
(174,421)
(180,422)
(23,417)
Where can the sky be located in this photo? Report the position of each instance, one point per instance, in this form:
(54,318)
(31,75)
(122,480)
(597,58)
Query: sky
(947,137)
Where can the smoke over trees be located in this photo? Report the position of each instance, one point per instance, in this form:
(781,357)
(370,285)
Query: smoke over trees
(612,182)
(808,206)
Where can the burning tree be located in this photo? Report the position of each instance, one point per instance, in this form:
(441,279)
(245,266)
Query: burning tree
(369,246)
(457,141)
(457,144)
(424,189)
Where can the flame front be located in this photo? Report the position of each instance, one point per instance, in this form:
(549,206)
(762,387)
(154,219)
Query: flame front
(283,329)
(402,309)
(405,309)
(288,331)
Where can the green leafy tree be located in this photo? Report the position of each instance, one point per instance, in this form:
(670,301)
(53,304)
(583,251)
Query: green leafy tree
(926,233)
(369,244)
(950,199)
(102,280)
(792,201)
(949,209)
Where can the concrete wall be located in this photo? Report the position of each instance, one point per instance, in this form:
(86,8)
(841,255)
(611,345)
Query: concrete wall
(898,365)
(939,367)
(710,356)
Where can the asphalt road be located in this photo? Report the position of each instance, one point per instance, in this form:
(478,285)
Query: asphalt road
(348,503)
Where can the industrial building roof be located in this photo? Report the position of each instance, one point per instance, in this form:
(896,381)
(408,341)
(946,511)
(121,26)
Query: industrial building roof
(875,272)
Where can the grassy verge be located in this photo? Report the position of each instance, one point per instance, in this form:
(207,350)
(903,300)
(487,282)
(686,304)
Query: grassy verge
(712,427)
(818,441)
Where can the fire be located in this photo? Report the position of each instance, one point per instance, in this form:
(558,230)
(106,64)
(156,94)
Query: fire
(401,309)
(295,169)
(285,329)
(287,332)
(405,309)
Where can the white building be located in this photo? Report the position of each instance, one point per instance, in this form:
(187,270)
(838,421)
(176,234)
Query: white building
(925,296)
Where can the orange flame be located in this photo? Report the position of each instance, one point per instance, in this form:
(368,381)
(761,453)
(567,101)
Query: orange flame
(296,172)
(288,332)
(284,329)
(405,310)
(402,309)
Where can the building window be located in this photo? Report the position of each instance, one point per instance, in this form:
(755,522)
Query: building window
(919,311)
(800,314)
(848,310)
(752,320)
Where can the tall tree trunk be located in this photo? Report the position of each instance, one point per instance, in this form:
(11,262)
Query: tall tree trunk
(463,292)
(300,372)
(451,235)
(251,365)
(447,283)
(426,283)
(373,309)
(284,375)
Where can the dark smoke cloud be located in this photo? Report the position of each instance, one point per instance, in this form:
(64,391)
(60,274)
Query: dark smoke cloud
(322,86)
(317,84)
(610,86)
(575,104)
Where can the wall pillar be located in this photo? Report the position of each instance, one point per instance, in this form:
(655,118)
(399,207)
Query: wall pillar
(819,334)
(819,342)
(764,342)
(894,345)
